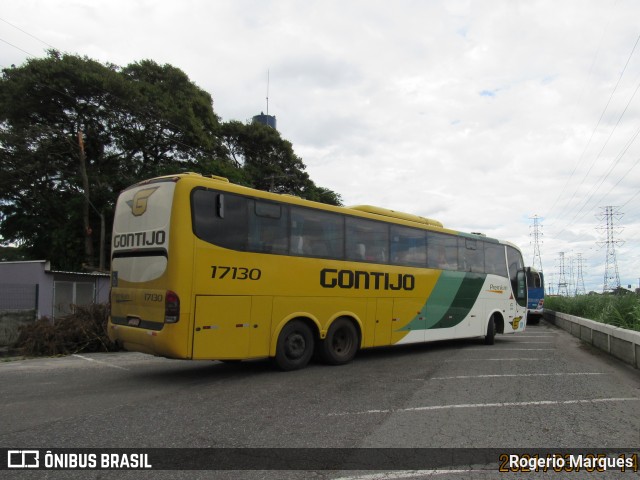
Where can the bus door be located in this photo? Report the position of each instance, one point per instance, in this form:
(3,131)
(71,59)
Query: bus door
(227,328)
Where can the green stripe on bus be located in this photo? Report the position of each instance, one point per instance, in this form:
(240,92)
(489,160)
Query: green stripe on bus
(450,301)
(464,300)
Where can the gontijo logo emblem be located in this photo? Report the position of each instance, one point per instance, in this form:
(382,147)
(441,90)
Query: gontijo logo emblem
(140,200)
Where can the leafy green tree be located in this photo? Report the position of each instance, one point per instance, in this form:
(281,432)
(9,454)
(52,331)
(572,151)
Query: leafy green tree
(269,162)
(170,124)
(75,132)
(44,106)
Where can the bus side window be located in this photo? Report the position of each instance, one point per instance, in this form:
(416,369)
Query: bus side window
(230,230)
(494,259)
(408,246)
(367,240)
(317,233)
(471,255)
(268,228)
(442,251)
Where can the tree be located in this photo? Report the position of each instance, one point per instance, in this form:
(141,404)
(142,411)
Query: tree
(75,132)
(269,162)
(44,105)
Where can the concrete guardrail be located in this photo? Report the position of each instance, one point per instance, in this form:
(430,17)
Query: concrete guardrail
(619,342)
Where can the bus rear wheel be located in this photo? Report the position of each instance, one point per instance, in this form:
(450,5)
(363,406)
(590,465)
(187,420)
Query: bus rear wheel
(295,346)
(341,343)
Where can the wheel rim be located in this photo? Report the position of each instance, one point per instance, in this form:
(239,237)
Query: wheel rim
(342,342)
(295,345)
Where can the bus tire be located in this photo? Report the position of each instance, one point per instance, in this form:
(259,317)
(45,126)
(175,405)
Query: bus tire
(295,346)
(489,338)
(341,343)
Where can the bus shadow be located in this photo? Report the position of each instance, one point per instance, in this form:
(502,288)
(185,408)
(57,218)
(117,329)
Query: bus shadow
(185,372)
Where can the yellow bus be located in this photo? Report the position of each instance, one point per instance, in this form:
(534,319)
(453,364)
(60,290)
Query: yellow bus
(206,269)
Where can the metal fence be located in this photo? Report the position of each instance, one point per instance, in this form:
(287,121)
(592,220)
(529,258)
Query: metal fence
(18,297)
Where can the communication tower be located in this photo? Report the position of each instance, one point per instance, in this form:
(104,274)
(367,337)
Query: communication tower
(266,119)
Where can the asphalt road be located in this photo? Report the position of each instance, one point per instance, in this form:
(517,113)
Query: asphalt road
(541,389)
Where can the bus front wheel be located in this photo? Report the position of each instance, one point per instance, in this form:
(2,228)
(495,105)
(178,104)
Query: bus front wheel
(341,343)
(489,338)
(295,346)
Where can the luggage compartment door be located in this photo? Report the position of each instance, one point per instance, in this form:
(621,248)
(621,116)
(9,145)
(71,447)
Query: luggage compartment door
(222,327)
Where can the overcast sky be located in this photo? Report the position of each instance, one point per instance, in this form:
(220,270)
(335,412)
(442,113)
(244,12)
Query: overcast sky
(480,114)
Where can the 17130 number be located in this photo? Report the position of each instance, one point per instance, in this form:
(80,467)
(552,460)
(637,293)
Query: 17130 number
(235,273)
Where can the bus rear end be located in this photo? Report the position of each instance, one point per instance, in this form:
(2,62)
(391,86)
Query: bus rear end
(145,298)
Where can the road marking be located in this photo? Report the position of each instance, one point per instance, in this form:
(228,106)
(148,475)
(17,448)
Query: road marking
(535,336)
(487,405)
(515,375)
(537,343)
(100,362)
(496,359)
(527,349)
(405,474)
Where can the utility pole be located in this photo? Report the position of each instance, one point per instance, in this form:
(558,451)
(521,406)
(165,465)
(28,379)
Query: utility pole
(611,275)
(88,244)
(88,241)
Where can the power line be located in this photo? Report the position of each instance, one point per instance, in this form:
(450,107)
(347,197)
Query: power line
(26,33)
(592,193)
(16,47)
(592,135)
(138,110)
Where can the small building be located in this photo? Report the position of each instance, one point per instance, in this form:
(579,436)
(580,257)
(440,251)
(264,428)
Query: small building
(32,285)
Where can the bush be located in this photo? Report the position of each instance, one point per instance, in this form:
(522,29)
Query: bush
(85,330)
(618,310)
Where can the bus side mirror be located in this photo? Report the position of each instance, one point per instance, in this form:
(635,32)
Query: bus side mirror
(220,205)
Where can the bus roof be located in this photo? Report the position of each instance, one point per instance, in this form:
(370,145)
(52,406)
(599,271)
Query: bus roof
(365,211)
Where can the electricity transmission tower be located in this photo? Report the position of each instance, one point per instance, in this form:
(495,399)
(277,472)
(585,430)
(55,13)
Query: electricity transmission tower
(536,234)
(562,280)
(611,275)
(580,290)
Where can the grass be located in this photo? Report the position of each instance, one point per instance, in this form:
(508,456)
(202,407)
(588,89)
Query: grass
(618,310)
